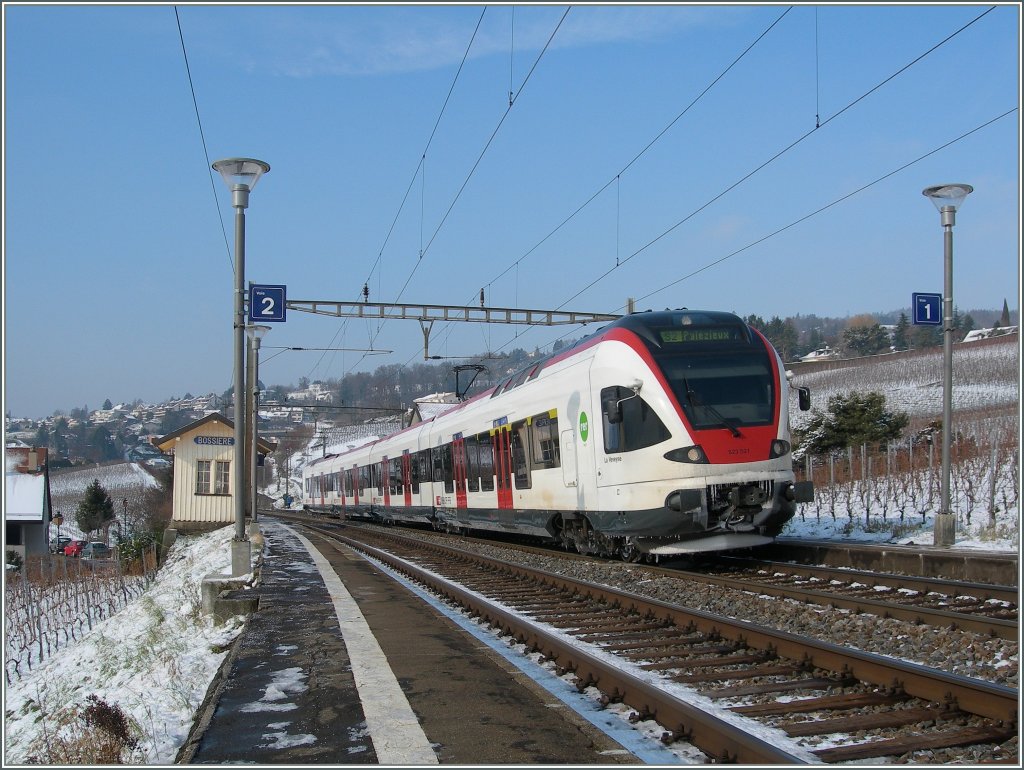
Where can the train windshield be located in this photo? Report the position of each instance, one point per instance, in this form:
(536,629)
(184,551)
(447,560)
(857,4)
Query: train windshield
(719,381)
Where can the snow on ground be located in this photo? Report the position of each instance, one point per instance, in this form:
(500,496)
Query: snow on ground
(155,660)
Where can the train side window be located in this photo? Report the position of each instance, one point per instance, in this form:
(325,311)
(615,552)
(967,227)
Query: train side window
(442,456)
(544,447)
(423,461)
(472,464)
(364,478)
(395,475)
(446,461)
(414,472)
(486,456)
(520,467)
(638,426)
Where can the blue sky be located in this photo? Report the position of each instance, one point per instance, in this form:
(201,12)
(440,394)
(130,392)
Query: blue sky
(118,243)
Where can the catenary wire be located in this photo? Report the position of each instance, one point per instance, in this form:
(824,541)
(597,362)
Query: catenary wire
(412,181)
(807,216)
(202,137)
(775,157)
(206,152)
(476,164)
(483,152)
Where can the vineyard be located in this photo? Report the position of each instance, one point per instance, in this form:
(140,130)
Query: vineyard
(896,488)
(53,601)
(122,481)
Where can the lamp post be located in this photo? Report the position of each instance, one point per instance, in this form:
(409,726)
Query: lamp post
(255,333)
(240,175)
(947,199)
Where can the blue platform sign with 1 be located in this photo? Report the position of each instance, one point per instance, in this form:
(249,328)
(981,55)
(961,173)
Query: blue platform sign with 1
(267,303)
(927,309)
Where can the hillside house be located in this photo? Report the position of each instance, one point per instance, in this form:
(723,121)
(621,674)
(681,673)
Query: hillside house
(27,503)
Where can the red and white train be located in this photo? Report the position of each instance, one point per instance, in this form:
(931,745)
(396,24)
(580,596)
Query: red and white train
(662,433)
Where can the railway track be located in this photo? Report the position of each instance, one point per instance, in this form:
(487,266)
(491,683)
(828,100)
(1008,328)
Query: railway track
(978,607)
(738,691)
(981,608)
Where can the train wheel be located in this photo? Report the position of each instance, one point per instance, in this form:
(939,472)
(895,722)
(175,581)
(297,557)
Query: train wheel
(629,552)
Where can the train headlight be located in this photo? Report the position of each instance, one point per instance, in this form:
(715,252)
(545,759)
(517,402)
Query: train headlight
(687,454)
(780,448)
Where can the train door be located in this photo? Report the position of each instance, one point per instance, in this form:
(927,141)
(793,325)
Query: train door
(501,441)
(568,457)
(459,467)
(355,485)
(407,477)
(385,481)
(321,483)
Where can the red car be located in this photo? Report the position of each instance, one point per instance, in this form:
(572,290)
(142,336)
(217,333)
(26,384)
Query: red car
(74,548)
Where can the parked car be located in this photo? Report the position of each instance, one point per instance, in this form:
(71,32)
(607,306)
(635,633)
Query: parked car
(96,550)
(74,548)
(57,544)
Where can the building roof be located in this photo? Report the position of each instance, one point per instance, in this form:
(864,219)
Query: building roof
(26,495)
(166,442)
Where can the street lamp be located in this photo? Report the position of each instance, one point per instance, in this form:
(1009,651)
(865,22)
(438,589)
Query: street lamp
(947,199)
(240,175)
(255,333)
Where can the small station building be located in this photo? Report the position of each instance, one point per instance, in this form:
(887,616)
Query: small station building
(204,479)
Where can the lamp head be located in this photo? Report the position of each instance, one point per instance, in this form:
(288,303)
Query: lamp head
(256,331)
(241,172)
(944,195)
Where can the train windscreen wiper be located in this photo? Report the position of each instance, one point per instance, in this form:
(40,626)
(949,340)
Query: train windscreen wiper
(696,401)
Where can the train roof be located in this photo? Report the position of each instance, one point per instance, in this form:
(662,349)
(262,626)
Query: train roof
(643,324)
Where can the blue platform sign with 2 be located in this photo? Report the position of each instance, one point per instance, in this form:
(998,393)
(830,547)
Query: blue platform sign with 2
(267,303)
(927,309)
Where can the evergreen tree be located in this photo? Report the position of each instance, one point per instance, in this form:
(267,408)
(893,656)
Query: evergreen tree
(866,340)
(782,335)
(851,420)
(107,405)
(926,337)
(900,339)
(1004,319)
(96,508)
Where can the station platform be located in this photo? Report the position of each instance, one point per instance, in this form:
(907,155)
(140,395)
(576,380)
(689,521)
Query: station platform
(343,664)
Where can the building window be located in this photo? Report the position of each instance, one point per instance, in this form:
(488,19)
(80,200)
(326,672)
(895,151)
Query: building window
(203,477)
(223,480)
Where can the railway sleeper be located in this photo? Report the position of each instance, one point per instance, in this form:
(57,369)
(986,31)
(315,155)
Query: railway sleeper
(853,722)
(735,674)
(720,656)
(674,641)
(822,703)
(904,745)
(811,683)
(677,655)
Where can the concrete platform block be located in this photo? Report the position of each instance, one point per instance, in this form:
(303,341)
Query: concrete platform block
(223,597)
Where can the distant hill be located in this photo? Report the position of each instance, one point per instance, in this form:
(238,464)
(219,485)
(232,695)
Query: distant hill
(121,480)
(986,379)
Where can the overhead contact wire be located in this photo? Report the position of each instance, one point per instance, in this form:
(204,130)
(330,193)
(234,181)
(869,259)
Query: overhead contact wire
(412,181)
(776,156)
(202,138)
